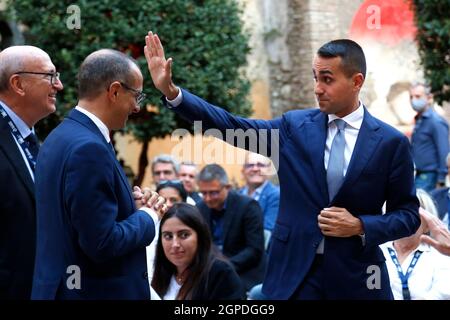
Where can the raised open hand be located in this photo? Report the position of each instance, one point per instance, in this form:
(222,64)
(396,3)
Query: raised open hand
(160,68)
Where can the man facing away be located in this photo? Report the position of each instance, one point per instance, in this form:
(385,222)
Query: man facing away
(28,87)
(91,235)
(338,165)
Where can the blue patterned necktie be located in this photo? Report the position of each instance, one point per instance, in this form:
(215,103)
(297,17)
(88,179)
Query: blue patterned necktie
(335,171)
(33,144)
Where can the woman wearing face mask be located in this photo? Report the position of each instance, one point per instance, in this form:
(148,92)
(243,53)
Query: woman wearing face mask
(429,142)
(186,265)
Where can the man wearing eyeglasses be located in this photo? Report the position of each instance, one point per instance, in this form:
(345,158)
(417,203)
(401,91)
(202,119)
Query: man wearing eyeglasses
(236,224)
(91,234)
(256,172)
(28,87)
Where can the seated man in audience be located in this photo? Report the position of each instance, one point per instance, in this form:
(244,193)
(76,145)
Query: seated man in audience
(256,172)
(188,174)
(236,224)
(164,167)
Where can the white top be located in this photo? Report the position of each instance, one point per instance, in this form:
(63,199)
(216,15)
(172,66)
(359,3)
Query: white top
(173,290)
(151,253)
(429,279)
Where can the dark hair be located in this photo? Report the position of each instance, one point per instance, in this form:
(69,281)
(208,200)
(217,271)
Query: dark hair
(100,69)
(352,55)
(175,184)
(203,259)
(213,172)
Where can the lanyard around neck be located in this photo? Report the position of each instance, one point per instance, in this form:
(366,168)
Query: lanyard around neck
(404,277)
(20,140)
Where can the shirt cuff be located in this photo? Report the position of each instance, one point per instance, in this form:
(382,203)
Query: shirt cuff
(153,215)
(177,101)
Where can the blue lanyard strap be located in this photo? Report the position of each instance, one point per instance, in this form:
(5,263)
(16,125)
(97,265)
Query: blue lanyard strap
(404,277)
(22,143)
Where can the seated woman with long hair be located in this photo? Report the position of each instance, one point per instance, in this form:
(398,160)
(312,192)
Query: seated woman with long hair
(187,266)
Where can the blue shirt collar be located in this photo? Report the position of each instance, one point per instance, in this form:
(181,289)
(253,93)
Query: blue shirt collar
(257,192)
(20,124)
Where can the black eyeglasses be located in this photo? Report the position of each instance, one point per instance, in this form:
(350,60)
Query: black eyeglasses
(54,76)
(139,95)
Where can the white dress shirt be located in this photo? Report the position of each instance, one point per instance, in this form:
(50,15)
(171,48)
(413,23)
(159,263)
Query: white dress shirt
(429,280)
(99,123)
(354,121)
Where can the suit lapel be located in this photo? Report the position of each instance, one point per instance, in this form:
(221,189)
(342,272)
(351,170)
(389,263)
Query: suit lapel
(87,122)
(123,176)
(366,144)
(10,148)
(228,217)
(316,135)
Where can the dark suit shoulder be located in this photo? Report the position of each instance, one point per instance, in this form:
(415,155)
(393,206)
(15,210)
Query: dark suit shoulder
(242,199)
(223,283)
(296,116)
(244,204)
(387,130)
(85,139)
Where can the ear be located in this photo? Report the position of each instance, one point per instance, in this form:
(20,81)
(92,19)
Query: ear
(16,84)
(113,90)
(430,98)
(358,81)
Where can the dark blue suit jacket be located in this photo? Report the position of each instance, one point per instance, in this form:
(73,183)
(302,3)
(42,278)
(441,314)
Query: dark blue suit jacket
(243,237)
(18,221)
(381,169)
(86,216)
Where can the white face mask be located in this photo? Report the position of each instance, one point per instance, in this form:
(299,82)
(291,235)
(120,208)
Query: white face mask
(419,104)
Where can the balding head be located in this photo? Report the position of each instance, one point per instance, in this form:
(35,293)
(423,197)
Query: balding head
(101,68)
(28,83)
(15,59)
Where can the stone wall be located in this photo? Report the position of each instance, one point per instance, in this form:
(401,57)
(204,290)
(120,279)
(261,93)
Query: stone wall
(292,31)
